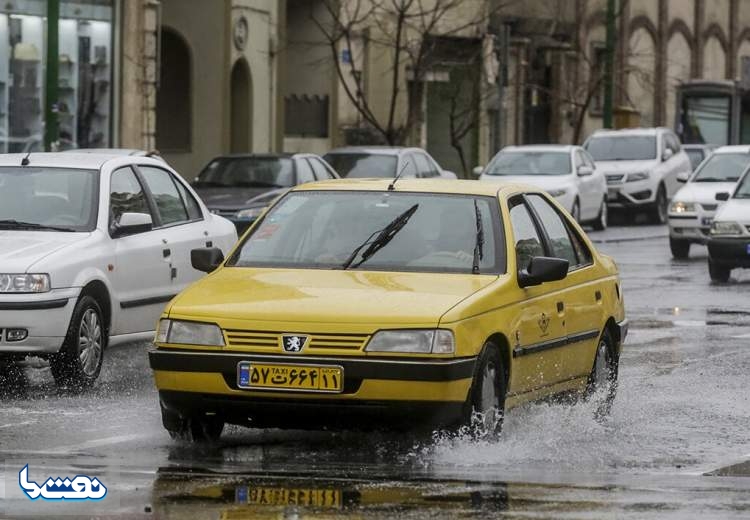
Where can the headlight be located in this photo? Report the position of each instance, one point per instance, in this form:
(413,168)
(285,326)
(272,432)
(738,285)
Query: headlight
(558,193)
(682,207)
(435,341)
(640,176)
(24,283)
(726,228)
(189,333)
(251,213)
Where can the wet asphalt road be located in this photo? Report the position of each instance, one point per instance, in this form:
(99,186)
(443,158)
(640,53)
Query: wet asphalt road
(675,446)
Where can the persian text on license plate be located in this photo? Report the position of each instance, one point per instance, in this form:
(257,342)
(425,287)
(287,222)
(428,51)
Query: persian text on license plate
(310,378)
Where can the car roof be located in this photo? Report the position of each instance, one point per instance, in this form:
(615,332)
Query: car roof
(541,148)
(111,151)
(373,150)
(445,186)
(629,131)
(268,155)
(737,148)
(85,161)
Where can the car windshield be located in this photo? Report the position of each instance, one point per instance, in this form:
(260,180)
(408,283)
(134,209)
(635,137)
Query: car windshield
(529,163)
(363,165)
(622,148)
(695,156)
(247,172)
(723,167)
(48,199)
(743,189)
(325,229)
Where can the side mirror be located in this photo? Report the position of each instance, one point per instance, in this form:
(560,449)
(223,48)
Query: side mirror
(667,155)
(206,259)
(477,171)
(722,196)
(584,171)
(543,269)
(132,223)
(683,177)
(447,174)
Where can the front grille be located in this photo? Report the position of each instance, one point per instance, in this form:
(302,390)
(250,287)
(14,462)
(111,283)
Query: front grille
(709,207)
(615,178)
(316,342)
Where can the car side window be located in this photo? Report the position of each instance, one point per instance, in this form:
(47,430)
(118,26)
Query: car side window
(409,166)
(557,231)
(528,243)
(166,197)
(321,172)
(424,168)
(578,159)
(673,142)
(304,171)
(193,209)
(588,159)
(126,195)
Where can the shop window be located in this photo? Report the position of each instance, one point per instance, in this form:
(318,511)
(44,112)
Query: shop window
(85,73)
(173,106)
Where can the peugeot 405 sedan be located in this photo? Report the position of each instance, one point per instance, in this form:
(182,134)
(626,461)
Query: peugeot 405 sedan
(361,303)
(91,248)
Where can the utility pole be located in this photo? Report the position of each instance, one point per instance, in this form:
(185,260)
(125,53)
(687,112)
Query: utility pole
(609,67)
(52,76)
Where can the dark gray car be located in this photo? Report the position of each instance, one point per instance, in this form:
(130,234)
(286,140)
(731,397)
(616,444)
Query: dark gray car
(240,187)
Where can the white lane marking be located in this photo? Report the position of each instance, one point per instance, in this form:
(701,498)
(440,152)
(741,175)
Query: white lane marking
(11,425)
(97,443)
(742,336)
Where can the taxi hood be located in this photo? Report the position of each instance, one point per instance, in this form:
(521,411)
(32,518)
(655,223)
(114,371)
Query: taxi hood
(326,296)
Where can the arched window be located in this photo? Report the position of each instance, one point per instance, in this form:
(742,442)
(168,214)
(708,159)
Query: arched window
(241,109)
(173,103)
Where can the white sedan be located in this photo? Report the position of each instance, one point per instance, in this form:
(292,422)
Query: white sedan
(92,247)
(729,245)
(568,173)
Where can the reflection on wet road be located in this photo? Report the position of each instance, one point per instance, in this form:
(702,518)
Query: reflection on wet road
(682,411)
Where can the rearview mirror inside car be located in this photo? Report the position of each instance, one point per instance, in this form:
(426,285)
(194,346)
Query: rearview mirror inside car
(722,196)
(132,223)
(206,259)
(543,269)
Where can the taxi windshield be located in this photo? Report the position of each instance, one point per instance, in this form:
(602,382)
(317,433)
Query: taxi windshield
(336,229)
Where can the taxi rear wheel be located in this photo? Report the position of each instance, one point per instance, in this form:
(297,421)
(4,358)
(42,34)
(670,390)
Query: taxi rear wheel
(486,404)
(602,383)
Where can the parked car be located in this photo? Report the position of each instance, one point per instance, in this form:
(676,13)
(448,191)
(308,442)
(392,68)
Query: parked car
(641,166)
(698,152)
(355,303)
(568,173)
(385,162)
(729,245)
(240,187)
(91,248)
(693,207)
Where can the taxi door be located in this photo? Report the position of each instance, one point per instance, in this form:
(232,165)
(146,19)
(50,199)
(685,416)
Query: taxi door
(539,329)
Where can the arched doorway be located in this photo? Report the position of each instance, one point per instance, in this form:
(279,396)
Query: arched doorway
(173,99)
(241,116)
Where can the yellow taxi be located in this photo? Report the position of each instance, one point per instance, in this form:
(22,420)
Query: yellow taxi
(369,303)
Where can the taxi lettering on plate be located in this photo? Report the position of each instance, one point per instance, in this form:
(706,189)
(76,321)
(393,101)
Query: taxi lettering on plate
(311,378)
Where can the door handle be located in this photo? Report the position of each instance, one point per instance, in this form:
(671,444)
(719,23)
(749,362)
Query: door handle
(560,306)
(166,252)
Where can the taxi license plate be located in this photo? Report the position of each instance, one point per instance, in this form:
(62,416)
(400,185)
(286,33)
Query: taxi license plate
(308,378)
(323,498)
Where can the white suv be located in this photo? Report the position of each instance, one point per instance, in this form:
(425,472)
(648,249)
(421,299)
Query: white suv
(91,249)
(641,166)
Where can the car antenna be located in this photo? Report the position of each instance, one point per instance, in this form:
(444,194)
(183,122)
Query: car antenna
(25,161)
(392,185)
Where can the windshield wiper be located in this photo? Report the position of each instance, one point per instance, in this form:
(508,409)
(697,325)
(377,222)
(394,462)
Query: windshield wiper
(479,247)
(384,236)
(17,224)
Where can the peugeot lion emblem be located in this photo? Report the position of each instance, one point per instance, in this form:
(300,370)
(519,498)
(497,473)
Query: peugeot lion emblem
(293,343)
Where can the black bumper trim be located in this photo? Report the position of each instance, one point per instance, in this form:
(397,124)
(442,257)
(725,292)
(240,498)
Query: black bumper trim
(357,368)
(146,301)
(730,252)
(34,306)
(555,343)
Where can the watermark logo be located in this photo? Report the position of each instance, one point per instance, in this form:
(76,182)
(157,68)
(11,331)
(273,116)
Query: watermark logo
(81,487)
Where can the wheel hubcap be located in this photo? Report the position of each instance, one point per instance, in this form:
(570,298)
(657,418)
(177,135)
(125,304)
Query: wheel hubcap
(90,342)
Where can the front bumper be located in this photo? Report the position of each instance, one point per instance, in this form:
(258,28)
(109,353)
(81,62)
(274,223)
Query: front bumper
(45,316)
(730,252)
(375,389)
(630,194)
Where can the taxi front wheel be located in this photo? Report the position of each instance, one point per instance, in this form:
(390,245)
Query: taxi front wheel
(486,403)
(192,428)
(602,383)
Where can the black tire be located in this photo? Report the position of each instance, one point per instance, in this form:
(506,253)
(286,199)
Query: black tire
(718,273)
(658,211)
(600,224)
(602,383)
(575,211)
(79,361)
(192,428)
(485,406)
(680,248)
